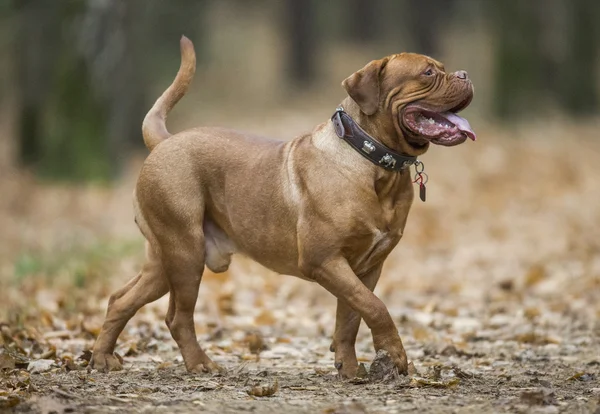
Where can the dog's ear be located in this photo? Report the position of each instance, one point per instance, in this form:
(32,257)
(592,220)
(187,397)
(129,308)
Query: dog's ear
(364,86)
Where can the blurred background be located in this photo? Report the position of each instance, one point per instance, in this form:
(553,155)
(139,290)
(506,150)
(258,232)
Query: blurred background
(79,75)
(513,217)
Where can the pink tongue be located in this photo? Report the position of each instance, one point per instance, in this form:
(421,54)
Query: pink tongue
(461,123)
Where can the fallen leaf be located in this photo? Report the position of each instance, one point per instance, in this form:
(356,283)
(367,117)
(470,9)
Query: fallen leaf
(91,326)
(256,343)
(353,407)
(507,285)
(583,376)
(164,365)
(535,275)
(265,318)
(225,303)
(40,365)
(264,390)
(535,339)
(6,361)
(543,396)
(9,401)
(421,333)
(411,369)
(425,382)
(322,371)
(459,373)
(362,371)
(436,374)
(63,334)
(532,313)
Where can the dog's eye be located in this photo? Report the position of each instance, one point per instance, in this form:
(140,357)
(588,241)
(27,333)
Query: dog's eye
(428,72)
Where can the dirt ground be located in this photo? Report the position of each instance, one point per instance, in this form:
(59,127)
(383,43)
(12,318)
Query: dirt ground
(495,290)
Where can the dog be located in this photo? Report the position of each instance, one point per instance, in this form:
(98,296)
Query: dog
(328,206)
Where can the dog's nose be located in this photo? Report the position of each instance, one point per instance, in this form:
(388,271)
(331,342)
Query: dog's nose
(462,74)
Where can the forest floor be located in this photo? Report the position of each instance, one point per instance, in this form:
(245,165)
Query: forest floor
(495,289)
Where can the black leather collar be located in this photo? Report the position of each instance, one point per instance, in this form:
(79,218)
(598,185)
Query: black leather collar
(365,145)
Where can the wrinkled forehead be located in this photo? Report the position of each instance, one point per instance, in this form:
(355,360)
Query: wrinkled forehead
(412,63)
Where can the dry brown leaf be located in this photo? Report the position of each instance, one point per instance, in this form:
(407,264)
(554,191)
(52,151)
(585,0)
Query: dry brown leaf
(459,373)
(421,333)
(256,343)
(542,396)
(6,361)
(532,313)
(9,401)
(264,390)
(86,355)
(265,318)
(225,303)
(50,353)
(164,365)
(351,407)
(425,382)
(91,326)
(411,369)
(362,371)
(535,275)
(507,285)
(535,339)
(582,376)
(436,373)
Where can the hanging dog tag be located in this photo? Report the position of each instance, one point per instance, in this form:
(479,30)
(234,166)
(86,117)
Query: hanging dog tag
(422,192)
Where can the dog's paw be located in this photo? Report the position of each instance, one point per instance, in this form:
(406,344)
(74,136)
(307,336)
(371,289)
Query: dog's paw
(394,352)
(208,367)
(106,362)
(347,370)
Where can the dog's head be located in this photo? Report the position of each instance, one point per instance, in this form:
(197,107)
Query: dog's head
(415,96)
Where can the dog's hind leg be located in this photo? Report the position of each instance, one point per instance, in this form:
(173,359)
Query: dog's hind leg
(182,249)
(149,285)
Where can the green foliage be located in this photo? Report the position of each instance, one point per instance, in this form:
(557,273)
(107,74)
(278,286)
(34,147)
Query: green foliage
(75,266)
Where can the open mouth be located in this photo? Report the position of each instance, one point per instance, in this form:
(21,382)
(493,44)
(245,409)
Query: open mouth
(440,127)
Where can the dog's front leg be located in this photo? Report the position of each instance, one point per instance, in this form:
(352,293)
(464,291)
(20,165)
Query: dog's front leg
(347,322)
(337,277)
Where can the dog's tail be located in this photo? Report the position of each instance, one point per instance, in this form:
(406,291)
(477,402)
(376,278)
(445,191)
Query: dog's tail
(154,128)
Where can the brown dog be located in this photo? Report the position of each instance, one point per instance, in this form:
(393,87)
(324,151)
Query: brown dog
(313,207)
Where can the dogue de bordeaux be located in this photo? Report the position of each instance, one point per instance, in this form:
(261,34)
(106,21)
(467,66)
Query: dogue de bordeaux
(328,206)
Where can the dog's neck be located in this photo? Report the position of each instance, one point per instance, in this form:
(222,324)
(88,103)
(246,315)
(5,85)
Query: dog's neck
(355,165)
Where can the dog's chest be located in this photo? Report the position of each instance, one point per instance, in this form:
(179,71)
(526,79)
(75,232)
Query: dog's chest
(373,250)
(379,235)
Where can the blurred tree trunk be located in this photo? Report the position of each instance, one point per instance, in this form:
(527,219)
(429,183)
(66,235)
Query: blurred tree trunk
(299,25)
(37,38)
(81,97)
(108,48)
(575,81)
(518,62)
